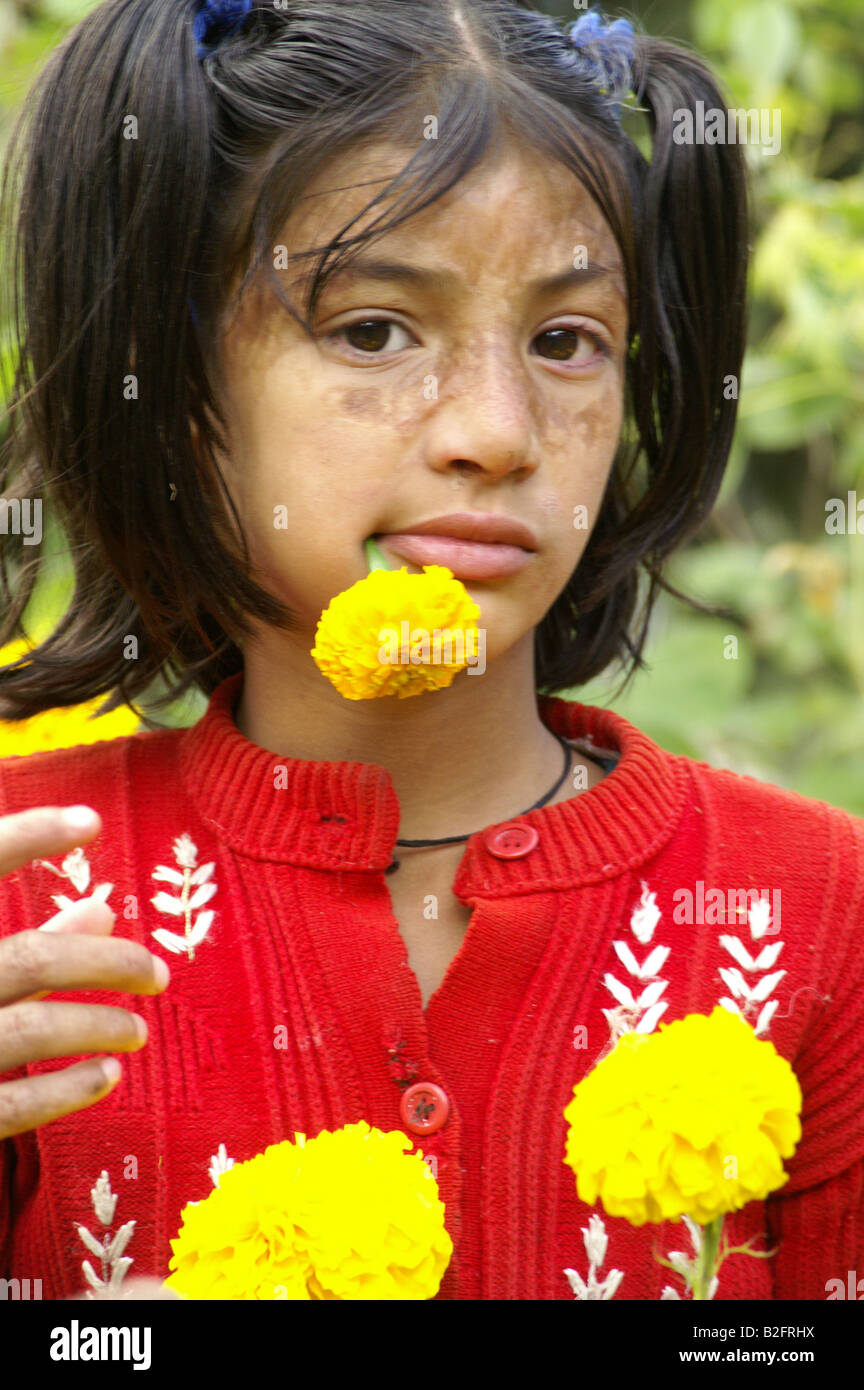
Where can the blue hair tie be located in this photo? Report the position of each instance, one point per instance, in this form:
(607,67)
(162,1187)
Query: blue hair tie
(605,51)
(216,20)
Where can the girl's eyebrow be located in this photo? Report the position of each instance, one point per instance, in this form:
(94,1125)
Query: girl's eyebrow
(426,278)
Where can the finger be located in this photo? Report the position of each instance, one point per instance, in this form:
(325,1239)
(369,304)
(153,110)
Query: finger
(32,961)
(37,1100)
(43,832)
(31,1032)
(87,915)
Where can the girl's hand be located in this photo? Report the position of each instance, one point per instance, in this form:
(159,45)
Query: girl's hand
(70,951)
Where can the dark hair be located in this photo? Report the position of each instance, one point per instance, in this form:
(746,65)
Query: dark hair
(115,237)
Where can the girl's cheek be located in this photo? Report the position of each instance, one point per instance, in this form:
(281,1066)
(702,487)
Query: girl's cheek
(596,428)
(363,403)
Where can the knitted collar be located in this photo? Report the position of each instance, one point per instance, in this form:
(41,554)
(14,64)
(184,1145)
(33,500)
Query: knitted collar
(345,815)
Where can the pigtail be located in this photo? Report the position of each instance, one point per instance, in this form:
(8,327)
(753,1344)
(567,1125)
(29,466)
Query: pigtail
(685,248)
(120,115)
(690,318)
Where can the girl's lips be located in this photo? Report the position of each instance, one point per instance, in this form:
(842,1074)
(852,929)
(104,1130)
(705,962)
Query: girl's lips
(466,559)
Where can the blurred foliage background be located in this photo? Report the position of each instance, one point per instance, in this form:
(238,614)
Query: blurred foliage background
(788,705)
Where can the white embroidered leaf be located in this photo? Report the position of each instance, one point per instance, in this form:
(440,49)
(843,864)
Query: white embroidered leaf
(766,985)
(119,1242)
(103,1199)
(202,895)
(651,994)
(91,1276)
(201,928)
(185,851)
(595,1240)
(164,903)
(654,963)
(93,1245)
(765,1017)
(577,1284)
(626,957)
(612,1283)
(619,991)
(163,874)
(759,917)
(738,951)
(620,1027)
(119,1271)
(61,900)
(730,1006)
(77,869)
(668,1294)
(768,955)
(713,1286)
(734,980)
(220,1163)
(102,892)
(166,938)
(45,864)
(648,1021)
(645,917)
(204,874)
(695,1234)
(680,1262)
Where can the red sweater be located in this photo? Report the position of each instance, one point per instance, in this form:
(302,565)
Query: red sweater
(299,1011)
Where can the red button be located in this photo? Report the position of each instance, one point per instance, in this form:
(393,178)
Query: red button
(424,1107)
(511,841)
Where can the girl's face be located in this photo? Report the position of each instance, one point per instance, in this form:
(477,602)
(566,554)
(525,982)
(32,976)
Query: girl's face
(474,388)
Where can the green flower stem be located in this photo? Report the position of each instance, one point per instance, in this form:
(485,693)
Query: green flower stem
(374,559)
(706,1266)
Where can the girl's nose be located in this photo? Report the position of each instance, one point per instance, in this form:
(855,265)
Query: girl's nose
(485,419)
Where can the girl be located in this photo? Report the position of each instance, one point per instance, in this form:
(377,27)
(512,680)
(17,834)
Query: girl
(298,277)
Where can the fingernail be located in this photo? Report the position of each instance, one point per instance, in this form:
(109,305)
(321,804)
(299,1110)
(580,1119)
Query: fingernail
(112,1069)
(140,1027)
(161,972)
(79,818)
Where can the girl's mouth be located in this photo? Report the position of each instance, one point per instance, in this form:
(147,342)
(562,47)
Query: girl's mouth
(466,559)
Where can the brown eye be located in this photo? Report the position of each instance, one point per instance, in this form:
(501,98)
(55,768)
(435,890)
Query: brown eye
(371,335)
(564,343)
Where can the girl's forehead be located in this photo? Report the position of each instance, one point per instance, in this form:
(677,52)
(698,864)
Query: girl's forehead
(516,198)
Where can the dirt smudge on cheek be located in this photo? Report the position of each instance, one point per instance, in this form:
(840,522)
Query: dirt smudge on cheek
(399,411)
(363,403)
(595,425)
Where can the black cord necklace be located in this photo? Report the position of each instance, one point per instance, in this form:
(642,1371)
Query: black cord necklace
(458,839)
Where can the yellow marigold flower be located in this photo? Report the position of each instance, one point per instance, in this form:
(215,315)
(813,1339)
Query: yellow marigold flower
(347,1215)
(353,652)
(60,728)
(693,1120)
